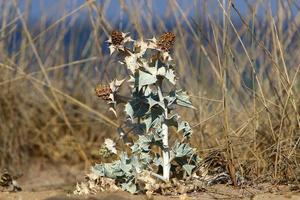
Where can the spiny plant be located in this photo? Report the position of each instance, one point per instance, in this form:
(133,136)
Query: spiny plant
(150,112)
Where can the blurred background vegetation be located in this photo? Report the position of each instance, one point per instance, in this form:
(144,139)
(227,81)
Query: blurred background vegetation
(239,61)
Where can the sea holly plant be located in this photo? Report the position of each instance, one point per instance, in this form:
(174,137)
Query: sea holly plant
(150,112)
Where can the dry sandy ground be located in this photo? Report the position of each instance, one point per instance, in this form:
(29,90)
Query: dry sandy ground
(220,193)
(48,182)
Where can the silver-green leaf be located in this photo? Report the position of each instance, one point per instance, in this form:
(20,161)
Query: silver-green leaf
(145,78)
(188,168)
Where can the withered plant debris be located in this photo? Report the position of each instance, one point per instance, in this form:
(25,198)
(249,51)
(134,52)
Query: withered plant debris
(8,182)
(213,169)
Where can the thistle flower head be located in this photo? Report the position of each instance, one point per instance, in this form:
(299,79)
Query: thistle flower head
(109,93)
(103,91)
(166,41)
(117,40)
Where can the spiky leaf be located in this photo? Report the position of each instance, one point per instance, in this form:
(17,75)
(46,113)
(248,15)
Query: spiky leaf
(183,99)
(130,187)
(188,168)
(182,150)
(185,128)
(145,78)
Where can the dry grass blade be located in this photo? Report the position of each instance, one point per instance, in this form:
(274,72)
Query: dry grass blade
(48,69)
(42,67)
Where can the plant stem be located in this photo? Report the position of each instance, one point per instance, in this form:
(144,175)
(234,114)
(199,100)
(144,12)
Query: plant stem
(157,176)
(166,154)
(165,140)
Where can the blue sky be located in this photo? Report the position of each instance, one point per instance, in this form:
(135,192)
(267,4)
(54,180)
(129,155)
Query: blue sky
(54,9)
